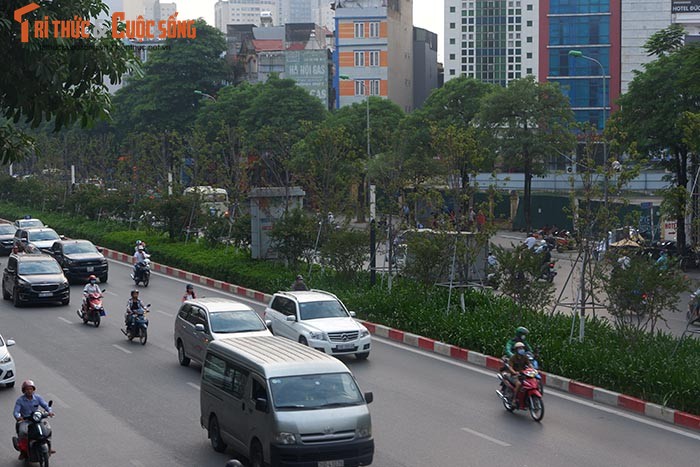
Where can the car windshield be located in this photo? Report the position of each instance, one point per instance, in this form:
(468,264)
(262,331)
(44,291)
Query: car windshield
(311,392)
(43,235)
(29,223)
(79,247)
(6,229)
(236,321)
(324,309)
(29,268)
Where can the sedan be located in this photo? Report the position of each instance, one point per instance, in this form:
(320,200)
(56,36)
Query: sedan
(7,236)
(7,364)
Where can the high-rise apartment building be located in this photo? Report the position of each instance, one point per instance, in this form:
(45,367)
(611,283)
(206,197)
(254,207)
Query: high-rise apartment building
(425,65)
(244,12)
(374,51)
(494,41)
(299,11)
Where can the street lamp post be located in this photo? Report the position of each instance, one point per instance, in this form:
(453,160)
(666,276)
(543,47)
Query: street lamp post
(204,94)
(579,54)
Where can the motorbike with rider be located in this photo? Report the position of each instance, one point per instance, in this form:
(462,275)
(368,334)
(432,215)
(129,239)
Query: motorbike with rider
(142,268)
(33,440)
(92,309)
(135,321)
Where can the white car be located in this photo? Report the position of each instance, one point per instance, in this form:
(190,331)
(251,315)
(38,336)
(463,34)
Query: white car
(7,364)
(320,320)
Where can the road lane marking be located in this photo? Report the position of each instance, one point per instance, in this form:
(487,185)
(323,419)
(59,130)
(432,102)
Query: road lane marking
(56,399)
(487,438)
(165,313)
(191,384)
(111,293)
(65,320)
(550,391)
(121,348)
(136,463)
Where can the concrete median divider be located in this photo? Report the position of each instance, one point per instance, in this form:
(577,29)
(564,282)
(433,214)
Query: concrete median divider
(599,395)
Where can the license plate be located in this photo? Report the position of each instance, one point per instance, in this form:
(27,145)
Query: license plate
(45,294)
(336,463)
(90,268)
(345,347)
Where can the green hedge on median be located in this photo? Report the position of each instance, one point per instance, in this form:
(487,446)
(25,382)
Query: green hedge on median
(639,366)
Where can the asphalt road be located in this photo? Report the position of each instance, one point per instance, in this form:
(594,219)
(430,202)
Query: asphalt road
(123,404)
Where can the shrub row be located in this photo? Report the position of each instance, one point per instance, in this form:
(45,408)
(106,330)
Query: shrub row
(641,365)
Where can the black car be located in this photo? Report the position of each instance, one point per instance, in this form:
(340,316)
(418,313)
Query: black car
(80,259)
(7,237)
(34,279)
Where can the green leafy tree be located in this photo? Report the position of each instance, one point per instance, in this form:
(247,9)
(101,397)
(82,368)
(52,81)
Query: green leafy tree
(652,115)
(64,85)
(164,98)
(530,121)
(294,235)
(346,251)
(666,40)
(519,272)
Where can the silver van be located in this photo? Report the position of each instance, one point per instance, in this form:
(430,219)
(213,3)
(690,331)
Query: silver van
(281,403)
(203,320)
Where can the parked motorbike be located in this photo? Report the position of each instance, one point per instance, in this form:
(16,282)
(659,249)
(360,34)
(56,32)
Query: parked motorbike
(529,397)
(137,326)
(693,314)
(38,438)
(564,241)
(142,272)
(548,272)
(95,310)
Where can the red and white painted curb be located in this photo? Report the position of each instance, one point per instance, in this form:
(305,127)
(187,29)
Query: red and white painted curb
(603,396)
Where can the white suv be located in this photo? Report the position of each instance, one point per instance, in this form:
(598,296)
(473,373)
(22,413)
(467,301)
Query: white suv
(318,319)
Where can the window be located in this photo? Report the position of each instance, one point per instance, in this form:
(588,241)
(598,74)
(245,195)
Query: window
(374,87)
(258,390)
(359,88)
(359,59)
(452,56)
(224,375)
(528,40)
(529,23)
(452,72)
(452,41)
(529,55)
(452,25)
(452,9)
(213,371)
(185,311)
(284,306)
(359,29)
(374,58)
(374,29)
(528,71)
(528,7)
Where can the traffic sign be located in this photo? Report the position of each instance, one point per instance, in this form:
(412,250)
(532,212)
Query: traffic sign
(646,205)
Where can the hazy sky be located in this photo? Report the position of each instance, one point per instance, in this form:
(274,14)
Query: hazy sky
(427,14)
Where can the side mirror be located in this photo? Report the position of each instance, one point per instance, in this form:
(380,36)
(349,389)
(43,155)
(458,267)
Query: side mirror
(100,249)
(369,397)
(62,237)
(10,342)
(353,314)
(66,270)
(261,405)
(268,323)
(199,327)
(291,318)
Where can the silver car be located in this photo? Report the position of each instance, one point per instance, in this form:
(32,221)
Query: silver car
(203,320)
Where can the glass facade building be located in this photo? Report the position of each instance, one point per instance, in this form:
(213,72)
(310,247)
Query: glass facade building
(587,26)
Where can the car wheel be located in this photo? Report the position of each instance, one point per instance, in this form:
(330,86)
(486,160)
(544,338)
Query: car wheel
(256,455)
(66,301)
(215,435)
(362,356)
(181,357)
(303,341)
(103,279)
(15,298)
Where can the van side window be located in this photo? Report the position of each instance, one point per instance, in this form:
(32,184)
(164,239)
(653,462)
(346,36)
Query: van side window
(258,391)
(234,380)
(214,370)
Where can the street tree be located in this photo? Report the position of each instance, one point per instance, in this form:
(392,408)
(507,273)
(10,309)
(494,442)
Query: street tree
(61,81)
(530,121)
(327,166)
(276,120)
(163,97)
(652,115)
(518,277)
(640,290)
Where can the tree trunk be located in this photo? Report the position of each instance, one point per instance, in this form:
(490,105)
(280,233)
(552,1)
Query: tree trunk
(361,194)
(682,171)
(527,195)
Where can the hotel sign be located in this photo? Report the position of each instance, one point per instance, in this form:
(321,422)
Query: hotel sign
(685,6)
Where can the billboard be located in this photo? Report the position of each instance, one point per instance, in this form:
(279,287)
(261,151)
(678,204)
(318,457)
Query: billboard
(685,6)
(309,68)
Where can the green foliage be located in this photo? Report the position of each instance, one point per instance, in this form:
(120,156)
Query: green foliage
(428,257)
(640,290)
(345,251)
(57,80)
(666,40)
(519,272)
(293,235)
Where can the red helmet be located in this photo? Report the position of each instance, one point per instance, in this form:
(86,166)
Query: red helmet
(28,383)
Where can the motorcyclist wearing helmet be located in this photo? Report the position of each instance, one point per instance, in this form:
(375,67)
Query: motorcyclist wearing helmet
(139,259)
(133,306)
(25,405)
(90,288)
(517,363)
(520,336)
(299,284)
(189,293)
